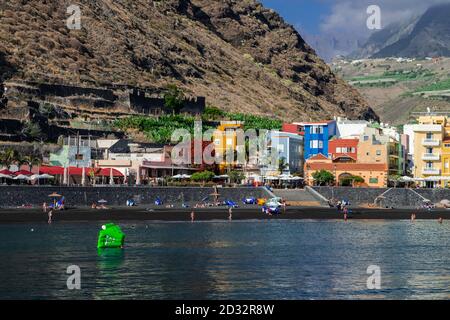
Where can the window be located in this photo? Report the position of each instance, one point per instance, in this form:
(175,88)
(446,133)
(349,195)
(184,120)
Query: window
(79,157)
(314,144)
(320,144)
(429,165)
(446,164)
(366,138)
(317,130)
(429,135)
(338,150)
(447,145)
(280,148)
(373,180)
(229,142)
(429,150)
(378,152)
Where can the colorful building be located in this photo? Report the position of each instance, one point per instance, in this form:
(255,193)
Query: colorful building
(431,151)
(350,129)
(226,141)
(293,128)
(344,149)
(75,152)
(375,175)
(287,148)
(317,135)
(376,147)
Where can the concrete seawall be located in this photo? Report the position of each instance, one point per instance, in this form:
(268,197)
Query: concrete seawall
(14,196)
(385,197)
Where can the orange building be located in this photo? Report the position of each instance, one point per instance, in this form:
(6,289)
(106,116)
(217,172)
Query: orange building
(375,175)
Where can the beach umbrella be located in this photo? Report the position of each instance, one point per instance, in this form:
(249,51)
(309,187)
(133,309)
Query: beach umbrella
(54,195)
(22,177)
(6,172)
(83,176)
(41,176)
(23,172)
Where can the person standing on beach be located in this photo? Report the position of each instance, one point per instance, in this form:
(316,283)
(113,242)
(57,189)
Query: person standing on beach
(192,216)
(50,214)
(345,214)
(440,220)
(44,207)
(230,213)
(413,217)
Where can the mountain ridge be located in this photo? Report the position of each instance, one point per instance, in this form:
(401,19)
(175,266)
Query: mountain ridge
(241,56)
(425,35)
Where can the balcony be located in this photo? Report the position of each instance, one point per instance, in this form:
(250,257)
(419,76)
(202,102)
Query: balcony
(432,171)
(431,157)
(431,143)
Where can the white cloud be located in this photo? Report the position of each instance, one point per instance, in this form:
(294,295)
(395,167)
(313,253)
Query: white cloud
(348,17)
(347,23)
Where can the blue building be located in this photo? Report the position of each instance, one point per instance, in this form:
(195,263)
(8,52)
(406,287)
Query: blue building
(317,135)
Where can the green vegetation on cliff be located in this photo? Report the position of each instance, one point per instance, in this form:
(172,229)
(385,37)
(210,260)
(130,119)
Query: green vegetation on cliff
(160,129)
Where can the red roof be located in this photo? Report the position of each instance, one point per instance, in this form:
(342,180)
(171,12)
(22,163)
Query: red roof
(318,157)
(345,155)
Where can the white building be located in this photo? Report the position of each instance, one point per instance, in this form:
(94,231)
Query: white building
(408,129)
(350,129)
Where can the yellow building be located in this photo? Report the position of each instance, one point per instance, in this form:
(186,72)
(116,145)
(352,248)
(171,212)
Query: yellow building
(432,151)
(226,141)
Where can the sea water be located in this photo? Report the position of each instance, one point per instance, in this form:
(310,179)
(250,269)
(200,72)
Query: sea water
(289,259)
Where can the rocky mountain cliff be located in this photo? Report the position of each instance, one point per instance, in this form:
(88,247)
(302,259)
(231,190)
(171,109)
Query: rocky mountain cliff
(427,35)
(239,55)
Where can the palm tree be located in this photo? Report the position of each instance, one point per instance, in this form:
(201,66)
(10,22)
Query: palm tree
(31,160)
(282,165)
(9,156)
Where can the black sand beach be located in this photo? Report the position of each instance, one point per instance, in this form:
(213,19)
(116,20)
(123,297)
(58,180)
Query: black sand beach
(184,214)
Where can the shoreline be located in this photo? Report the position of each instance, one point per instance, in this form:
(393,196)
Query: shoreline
(24,215)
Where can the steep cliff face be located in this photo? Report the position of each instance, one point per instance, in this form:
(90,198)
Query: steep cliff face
(238,54)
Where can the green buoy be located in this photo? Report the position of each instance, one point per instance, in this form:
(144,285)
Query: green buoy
(110,236)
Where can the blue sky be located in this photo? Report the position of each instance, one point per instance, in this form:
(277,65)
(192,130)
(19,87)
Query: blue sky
(304,14)
(339,26)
